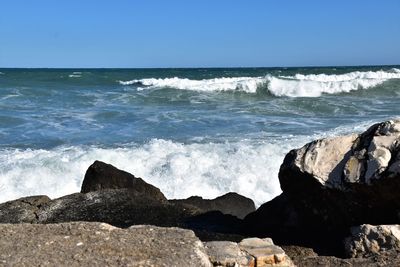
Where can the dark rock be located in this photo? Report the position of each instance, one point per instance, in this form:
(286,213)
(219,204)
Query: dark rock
(124,207)
(214,221)
(98,244)
(119,207)
(230,203)
(22,210)
(100,176)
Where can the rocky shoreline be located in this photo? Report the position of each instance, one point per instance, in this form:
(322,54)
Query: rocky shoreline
(340,206)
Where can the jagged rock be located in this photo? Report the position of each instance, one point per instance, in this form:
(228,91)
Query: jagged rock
(367,240)
(98,244)
(332,184)
(22,210)
(347,180)
(228,254)
(265,252)
(100,176)
(230,203)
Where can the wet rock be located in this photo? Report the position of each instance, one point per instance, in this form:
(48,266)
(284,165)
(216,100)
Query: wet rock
(230,203)
(100,176)
(98,244)
(367,240)
(22,210)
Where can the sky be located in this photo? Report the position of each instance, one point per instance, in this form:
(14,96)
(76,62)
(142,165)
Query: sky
(203,33)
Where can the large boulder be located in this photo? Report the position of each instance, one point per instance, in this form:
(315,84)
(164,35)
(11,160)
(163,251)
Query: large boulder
(348,180)
(230,203)
(369,240)
(332,184)
(100,176)
(99,244)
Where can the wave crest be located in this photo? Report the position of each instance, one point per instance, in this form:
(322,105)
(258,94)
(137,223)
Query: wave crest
(298,85)
(246,84)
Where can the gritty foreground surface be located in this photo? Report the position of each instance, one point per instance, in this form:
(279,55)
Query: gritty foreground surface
(98,244)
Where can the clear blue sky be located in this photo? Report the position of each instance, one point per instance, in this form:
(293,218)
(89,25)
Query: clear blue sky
(203,33)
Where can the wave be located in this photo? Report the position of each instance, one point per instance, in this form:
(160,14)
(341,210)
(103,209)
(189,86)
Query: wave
(298,85)
(246,84)
(179,170)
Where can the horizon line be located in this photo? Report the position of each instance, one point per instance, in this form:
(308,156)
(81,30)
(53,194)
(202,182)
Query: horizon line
(238,67)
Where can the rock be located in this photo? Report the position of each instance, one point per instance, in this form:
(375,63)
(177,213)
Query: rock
(265,252)
(22,210)
(228,254)
(98,244)
(118,207)
(121,208)
(100,176)
(306,257)
(249,252)
(230,203)
(332,184)
(367,240)
(215,222)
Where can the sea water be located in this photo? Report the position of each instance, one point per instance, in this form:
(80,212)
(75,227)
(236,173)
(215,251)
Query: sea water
(189,132)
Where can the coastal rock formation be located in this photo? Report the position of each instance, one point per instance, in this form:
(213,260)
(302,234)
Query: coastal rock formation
(100,176)
(367,240)
(230,203)
(332,184)
(118,198)
(347,180)
(22,210)
(118,207)
(99,244)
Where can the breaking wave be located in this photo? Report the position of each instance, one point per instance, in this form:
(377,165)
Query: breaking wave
(299,85)
(246,84)
(179,170)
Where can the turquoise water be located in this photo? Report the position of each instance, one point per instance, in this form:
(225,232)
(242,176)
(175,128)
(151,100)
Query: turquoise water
(188,131)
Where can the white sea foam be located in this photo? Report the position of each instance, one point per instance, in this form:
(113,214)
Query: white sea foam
(75,74)
(299,85)
(313,85)
(179,170)
(246,84)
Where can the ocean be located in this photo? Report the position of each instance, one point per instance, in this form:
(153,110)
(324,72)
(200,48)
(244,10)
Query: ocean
(202,132)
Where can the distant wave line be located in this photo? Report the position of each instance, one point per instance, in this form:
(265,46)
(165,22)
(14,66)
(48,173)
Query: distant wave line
(298,85)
